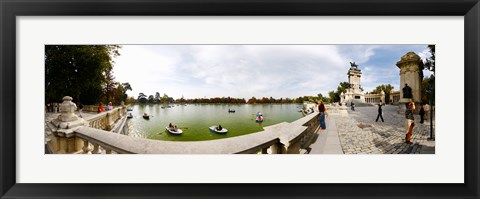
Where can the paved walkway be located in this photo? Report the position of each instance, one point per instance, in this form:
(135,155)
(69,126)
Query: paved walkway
(358,133)
(328,141)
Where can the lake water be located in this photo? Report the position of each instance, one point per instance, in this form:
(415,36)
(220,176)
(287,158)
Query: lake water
(194,120)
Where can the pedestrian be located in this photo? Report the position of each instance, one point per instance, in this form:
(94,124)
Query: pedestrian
(380,113)
(352,106)
(427,111)
(422,114)
(321,117)
(109,106)
(80,109)
(409,122)
(100,108)
(55,107)
(49,107)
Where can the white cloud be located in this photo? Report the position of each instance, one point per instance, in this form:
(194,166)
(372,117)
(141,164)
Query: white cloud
(247,70)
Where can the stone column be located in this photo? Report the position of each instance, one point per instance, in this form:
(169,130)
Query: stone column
(64,128)
(382,97)
(410,69)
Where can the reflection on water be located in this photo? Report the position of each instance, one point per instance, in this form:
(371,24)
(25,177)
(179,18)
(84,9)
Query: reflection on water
(194,120)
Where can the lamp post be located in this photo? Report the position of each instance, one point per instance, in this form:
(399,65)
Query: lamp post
(431,94)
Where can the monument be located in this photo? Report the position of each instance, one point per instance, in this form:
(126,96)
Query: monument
(353,92)
(410,66)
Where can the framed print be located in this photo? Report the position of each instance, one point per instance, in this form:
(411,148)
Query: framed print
(266,99)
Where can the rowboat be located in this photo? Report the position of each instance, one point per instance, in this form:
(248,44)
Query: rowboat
(214,130)
(174,131)
(259,119)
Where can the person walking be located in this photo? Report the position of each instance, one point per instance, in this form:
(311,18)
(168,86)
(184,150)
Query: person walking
(422,114)
(321,117)
(352,106)
(409,122)
(380,113)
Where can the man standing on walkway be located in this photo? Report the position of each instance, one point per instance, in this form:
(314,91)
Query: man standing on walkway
(410,122)
(426,107)
(421,113)
(380,112)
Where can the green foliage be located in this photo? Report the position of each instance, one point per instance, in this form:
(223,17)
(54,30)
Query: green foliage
(428,84)
(142,98)
(430,62)
(335,95)
(80,71)
(385,88)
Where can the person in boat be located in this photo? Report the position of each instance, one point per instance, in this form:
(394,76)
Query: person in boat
(145,115)
(170,125)
(219,127)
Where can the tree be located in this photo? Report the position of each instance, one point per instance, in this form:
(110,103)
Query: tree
(157,97)
(78,71)
(332,96)
(109,85)
(385,88)
(130,100)
(430,62)
(126,86)
(142,98)
(428,83)
(151,99)
(252,100)
(321,97)
(335,95)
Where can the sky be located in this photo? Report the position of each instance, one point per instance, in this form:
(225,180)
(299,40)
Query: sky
(244,71)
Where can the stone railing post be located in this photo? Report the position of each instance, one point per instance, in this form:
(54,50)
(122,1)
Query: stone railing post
(96,149)
(108,122)
(86,147)
(64,126)
(277,148)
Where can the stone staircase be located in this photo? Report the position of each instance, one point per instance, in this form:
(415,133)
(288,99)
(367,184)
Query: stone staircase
(358,103)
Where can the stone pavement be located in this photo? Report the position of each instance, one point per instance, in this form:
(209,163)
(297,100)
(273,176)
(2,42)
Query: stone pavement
(358,133)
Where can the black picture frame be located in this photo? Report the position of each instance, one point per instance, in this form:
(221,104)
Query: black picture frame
(9,9)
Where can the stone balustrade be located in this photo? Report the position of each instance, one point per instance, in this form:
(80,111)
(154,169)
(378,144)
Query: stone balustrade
(90,108)
(100,134)
(291,138)
(107,119)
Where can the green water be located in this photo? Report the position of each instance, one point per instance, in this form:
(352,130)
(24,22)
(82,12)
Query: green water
(194,120)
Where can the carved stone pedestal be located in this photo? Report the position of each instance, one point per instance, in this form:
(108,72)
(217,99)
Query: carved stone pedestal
(63,128)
